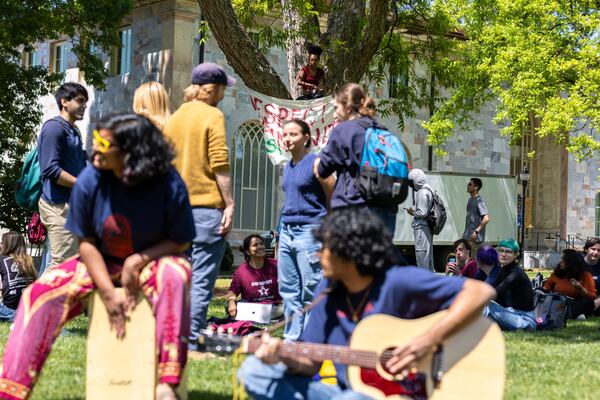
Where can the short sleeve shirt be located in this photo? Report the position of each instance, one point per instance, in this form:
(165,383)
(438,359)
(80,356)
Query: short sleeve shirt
(13,282)
(404,292)
(476,209)
(256,285)
(127,219)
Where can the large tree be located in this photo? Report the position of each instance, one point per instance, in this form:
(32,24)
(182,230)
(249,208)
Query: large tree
(23,24)
(537,58)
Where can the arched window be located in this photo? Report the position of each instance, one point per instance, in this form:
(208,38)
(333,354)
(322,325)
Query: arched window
(255,181)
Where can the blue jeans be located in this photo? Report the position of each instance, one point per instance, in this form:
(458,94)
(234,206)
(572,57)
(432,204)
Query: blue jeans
(298,273)
(45,258)
(7,314)
(510,319)
(208,248)
(263,381)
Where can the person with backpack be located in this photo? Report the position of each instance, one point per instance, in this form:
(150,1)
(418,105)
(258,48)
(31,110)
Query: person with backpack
(61,159)
(571,279)
(16,273)
(423,201)
(345,152)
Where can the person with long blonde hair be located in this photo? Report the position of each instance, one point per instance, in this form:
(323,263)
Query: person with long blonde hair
(152,101)
(16,272)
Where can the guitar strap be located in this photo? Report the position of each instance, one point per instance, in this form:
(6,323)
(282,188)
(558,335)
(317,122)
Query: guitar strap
(306,309)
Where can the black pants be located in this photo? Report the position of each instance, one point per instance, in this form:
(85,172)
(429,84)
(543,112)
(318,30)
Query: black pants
(584,306)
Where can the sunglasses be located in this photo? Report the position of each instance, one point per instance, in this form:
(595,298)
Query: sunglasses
(102,144)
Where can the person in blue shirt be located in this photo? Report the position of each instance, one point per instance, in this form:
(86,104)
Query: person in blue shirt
(131,213)
(62,158)
(306,200)
(361,279)
(342,154)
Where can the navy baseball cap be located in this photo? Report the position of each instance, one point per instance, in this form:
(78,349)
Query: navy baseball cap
(211,73)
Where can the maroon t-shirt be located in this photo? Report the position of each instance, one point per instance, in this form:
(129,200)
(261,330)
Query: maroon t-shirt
(256,285)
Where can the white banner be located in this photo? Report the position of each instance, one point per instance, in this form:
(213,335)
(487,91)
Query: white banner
(319,114)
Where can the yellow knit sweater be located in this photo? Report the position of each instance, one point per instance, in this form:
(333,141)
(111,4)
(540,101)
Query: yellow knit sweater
(197,131)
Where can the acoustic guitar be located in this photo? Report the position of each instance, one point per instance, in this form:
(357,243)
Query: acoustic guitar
(468,365)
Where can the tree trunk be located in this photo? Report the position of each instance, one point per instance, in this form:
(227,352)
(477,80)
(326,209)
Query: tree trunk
(239,49)
(294,45)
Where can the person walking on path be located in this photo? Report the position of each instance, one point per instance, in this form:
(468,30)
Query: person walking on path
(342,154)
(131,213)
(197,130)
(423,200)
(477,216)
(306,199)
(61,157)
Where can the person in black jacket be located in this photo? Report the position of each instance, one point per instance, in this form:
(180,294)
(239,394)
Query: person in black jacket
(513,308)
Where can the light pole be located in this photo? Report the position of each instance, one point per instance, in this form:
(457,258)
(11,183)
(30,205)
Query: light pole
(524,175)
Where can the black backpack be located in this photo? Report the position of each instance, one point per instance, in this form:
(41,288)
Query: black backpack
(551,309)
(436,219)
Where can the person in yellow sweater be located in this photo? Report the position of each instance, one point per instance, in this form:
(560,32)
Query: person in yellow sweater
(197,130)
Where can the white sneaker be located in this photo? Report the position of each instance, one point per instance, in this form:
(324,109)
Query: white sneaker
(580,317)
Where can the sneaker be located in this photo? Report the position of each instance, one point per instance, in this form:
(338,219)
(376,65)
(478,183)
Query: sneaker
(580,317)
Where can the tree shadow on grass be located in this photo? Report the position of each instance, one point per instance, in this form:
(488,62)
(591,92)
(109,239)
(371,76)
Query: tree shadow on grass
(203,395)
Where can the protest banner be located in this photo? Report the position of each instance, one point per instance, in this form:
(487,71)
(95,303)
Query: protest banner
(272,112)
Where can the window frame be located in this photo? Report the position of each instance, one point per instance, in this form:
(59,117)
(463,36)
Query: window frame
(121,55)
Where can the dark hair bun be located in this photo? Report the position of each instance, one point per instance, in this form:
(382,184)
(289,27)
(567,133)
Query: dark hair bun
(314,49)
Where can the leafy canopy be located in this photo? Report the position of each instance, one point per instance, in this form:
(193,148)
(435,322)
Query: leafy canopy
(22,25)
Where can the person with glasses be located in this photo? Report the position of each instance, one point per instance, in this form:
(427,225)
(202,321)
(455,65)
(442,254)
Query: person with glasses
(131,213)
(513,307)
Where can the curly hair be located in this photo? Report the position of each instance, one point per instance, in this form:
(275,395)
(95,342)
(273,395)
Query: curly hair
(314,49)
(147,154)
(574,265)
(359,236)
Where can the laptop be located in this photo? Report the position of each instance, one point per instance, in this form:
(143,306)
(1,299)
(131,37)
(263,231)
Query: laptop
(255,312)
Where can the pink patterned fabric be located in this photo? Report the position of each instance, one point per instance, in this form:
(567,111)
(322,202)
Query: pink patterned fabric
(60,295)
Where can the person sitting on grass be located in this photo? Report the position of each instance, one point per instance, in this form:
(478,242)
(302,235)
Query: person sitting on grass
(131,212)
(513,308)
(255,280)
(362,278)
(463,264)
(487,259)
(571,279)
(16,273)
(591,258)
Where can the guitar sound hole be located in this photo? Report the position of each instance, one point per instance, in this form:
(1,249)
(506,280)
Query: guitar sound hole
(385,357)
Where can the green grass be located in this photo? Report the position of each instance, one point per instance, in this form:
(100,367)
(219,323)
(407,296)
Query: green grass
(541,365)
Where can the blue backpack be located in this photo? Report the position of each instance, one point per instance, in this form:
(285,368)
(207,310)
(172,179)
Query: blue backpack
(383,176)
(28,188)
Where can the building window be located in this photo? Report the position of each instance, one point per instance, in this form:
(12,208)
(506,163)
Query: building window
(31,58)
(597,220)
(59,58)
(398,80)
(122,55)
(255,182)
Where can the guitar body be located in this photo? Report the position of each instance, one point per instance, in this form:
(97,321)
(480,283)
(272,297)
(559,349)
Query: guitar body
(472,360)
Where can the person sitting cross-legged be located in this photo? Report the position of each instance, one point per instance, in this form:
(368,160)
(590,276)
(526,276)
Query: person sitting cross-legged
(361,279)
(513,308)
(255,280)
(571,279)
(131,212)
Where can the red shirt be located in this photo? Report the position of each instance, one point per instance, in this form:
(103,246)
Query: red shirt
(563,285)
(256,285)
(308,78)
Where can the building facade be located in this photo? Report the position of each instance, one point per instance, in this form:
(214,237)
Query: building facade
(160,41)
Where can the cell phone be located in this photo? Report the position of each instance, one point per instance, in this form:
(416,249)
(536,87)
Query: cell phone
(451,259)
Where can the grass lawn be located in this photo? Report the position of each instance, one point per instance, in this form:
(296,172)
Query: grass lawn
(542,365)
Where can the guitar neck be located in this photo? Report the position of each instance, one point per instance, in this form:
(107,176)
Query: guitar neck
(321,352)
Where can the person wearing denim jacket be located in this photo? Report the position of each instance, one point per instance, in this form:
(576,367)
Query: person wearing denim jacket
(306,196)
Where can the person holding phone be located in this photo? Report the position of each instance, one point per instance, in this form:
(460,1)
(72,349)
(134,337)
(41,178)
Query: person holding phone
(461,264)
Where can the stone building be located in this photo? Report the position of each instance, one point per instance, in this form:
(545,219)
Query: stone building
(160,42)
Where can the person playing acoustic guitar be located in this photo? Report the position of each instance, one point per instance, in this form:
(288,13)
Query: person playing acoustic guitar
(362,279)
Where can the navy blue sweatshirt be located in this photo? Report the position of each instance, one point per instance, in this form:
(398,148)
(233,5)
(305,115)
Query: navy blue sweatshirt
(59,149)
(342,154)
(305,200)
